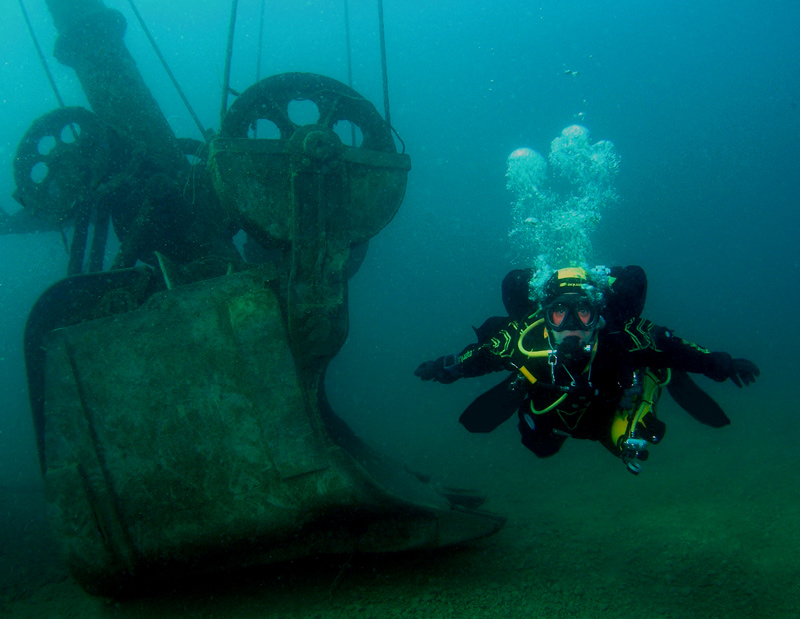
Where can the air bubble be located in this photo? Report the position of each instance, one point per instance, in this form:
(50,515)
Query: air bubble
(559,201)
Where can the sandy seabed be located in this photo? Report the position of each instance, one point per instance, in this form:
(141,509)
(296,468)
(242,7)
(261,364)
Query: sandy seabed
(709,529)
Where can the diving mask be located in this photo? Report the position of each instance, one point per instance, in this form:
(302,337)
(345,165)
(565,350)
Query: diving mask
(571,315)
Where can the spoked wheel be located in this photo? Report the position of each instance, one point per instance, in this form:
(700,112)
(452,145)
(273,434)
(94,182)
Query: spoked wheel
(260,182)
(60,159)
(269,100)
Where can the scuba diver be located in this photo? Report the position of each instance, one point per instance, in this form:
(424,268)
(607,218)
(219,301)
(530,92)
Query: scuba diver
(585,364)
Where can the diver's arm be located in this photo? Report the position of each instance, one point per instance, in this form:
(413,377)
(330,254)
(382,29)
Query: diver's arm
(689,357)
(442,370)
(488,355)
(473,361)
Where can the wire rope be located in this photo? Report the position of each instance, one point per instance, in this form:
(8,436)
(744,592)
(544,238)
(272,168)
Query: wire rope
(384,73)
(258,55)
(349,62)
(171,76)
(41,55)
(228,54)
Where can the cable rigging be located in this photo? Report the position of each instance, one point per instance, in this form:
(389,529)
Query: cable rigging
(171,76)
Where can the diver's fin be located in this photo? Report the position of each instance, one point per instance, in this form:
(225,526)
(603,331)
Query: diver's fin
(695,401)
(493,407)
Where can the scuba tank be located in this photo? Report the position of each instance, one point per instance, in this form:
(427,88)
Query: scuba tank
(635,423)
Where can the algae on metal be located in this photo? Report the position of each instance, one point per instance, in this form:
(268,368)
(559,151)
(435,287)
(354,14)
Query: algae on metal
(182,434)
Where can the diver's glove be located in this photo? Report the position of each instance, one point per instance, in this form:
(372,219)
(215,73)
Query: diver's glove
(743,372)
(443,370)
(722,367)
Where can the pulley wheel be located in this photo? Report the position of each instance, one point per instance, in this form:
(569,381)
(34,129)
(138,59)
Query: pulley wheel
(269,100)
(62,157)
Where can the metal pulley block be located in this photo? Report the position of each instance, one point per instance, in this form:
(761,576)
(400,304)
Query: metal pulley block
(307,192)
(253,177)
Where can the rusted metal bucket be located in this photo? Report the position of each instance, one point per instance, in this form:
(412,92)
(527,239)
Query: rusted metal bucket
(180,437)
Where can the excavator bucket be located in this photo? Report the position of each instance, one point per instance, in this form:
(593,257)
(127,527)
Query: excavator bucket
(178,436)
